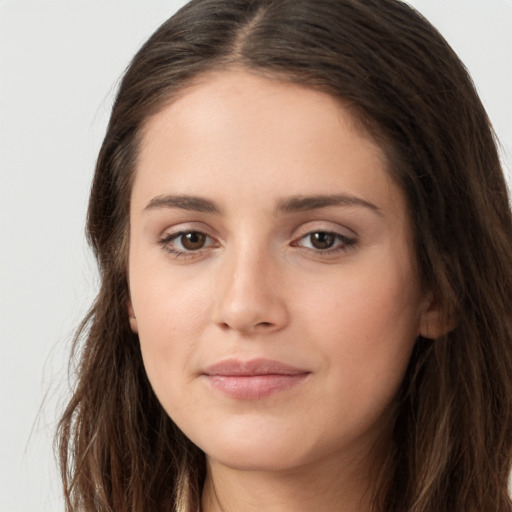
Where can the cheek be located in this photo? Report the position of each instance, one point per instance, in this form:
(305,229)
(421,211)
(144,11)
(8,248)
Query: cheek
(169,334)
(172,314)
(365,324)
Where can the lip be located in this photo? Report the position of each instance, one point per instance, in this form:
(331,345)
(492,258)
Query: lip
(254,379)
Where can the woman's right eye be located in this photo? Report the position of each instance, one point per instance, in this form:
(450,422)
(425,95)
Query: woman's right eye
(192,241)
(184,243)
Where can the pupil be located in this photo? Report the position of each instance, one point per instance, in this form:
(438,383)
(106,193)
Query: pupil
(193,241)
(322,240)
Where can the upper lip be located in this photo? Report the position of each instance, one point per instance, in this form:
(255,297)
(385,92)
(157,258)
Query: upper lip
(236,367)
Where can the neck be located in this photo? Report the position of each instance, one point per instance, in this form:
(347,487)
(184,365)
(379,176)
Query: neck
(323,487)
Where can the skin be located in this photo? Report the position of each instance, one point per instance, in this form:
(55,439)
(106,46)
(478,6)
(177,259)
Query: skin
(259,287)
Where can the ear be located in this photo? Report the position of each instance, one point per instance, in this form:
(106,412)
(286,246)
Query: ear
(132,318)
(436,320)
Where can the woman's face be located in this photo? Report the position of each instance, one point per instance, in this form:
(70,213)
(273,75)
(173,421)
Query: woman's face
(271,273)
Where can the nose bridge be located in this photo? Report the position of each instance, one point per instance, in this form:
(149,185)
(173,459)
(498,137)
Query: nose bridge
(249,295)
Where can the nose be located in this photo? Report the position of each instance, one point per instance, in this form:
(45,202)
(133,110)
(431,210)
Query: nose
(250,295)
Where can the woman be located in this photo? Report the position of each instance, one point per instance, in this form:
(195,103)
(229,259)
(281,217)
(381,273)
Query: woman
(305,241)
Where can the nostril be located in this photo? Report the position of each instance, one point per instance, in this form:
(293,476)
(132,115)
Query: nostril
(225,326)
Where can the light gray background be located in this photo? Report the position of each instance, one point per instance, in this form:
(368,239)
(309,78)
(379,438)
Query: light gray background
(60,62)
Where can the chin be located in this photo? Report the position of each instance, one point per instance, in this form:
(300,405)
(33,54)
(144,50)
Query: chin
(262,458)
(253,448)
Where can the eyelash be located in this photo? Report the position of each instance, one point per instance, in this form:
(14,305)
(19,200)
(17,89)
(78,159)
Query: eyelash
(344,243)
(166,244)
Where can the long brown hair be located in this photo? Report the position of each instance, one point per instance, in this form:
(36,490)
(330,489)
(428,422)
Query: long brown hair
(452,440)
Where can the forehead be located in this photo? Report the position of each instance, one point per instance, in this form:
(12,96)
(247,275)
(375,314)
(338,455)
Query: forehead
(238,134)
(238,98)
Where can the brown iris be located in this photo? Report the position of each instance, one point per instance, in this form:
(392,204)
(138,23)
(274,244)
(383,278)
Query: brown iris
(322,240)
(193,241)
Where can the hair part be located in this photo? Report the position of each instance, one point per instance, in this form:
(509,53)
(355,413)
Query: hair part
(406,88)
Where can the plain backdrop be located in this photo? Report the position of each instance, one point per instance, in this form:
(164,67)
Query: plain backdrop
(60,63)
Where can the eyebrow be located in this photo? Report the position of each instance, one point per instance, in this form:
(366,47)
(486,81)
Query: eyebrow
(184,202)
(305,203)
(288,205)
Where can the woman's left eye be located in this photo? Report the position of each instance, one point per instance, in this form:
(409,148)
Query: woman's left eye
(325,241)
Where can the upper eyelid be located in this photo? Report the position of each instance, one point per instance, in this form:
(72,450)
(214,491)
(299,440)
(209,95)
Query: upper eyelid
(327,227)
(305,228)
(173,235)
(188,227)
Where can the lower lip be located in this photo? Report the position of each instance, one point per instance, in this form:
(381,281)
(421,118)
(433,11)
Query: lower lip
(254,387)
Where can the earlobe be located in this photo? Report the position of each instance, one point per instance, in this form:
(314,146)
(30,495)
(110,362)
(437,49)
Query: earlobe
(435,320)
(132,318)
